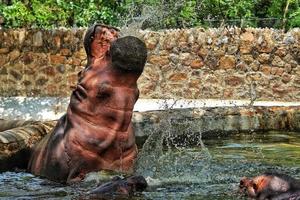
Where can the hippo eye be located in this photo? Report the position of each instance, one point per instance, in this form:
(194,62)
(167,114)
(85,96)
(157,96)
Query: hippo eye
(104,91)
(103,95)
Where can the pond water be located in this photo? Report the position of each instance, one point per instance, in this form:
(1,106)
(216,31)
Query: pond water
(211,170)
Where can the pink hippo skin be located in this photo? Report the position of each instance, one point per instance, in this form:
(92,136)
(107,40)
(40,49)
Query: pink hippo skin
(96,132)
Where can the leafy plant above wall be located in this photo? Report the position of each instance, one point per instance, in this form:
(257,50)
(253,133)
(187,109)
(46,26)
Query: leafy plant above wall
(155,14)
(55,13)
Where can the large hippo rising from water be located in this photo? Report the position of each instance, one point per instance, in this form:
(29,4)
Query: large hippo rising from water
(96,132)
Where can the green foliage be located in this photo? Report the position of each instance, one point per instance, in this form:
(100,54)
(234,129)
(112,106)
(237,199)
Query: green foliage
(17,14)
(155,14)
(295,19)
(55,13)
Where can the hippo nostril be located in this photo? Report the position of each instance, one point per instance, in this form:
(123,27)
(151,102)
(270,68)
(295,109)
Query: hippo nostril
(80,92)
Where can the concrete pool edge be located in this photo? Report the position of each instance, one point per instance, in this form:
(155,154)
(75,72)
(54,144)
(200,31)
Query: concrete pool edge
(188,124)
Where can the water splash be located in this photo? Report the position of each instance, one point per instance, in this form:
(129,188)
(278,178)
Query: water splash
(167,157)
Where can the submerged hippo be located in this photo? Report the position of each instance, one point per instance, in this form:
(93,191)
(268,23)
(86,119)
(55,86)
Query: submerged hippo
(118,186)
(271,186)
(96,132)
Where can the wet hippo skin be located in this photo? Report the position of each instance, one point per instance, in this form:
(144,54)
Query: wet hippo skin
(271,186)
(118,186)
(96,132)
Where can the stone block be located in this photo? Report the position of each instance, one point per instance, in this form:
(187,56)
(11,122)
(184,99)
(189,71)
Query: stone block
(278,62)
(264,58)
(4,50)
(57,59)
(159,60)
(234,81)
(14,55)
(227,62)
(178,77)
(37,39)
(197,64)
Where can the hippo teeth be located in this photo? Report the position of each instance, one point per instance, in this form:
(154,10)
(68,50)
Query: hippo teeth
(80,92)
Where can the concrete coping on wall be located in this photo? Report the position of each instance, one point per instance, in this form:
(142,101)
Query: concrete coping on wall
(52,108)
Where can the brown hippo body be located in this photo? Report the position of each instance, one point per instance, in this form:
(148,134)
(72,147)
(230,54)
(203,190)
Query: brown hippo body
(96,132)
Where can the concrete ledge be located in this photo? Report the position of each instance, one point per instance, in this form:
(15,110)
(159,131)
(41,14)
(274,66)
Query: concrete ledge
(211,122)
(179,126)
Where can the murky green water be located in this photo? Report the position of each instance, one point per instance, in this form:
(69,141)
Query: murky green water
(209,172)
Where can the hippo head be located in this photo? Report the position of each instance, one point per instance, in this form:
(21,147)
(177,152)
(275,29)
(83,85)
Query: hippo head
(113,85)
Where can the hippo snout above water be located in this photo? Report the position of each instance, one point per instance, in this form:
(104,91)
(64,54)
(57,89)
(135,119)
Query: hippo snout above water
(118,186)
(271,186)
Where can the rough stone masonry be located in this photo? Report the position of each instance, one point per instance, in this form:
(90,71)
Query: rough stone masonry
(224,63)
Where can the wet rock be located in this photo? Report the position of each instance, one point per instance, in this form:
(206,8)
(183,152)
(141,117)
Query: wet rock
(16,142)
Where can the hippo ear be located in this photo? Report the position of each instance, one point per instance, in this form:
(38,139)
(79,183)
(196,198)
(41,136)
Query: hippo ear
(242,184)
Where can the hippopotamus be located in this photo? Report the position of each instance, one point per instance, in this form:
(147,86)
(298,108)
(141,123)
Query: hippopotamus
(271,186)
(96,132)
(121,186)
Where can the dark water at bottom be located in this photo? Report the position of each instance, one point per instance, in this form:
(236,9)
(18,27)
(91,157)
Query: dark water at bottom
(188,173)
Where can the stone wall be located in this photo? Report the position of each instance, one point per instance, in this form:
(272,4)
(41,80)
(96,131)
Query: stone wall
(228,63)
